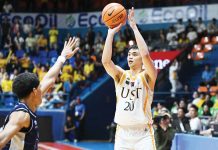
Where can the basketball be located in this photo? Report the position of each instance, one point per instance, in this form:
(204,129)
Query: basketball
(113,14)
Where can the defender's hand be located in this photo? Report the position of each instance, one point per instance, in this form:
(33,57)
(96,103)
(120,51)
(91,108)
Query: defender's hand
(69,48)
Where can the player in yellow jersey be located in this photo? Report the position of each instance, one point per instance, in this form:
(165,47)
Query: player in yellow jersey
(134,91)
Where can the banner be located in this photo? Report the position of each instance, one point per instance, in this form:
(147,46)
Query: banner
(142,16)
(162,59)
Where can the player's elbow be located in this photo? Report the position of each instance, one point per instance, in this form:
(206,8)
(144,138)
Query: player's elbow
(105,62)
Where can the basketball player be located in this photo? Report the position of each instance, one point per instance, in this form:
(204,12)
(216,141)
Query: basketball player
(134,92)
(20,130)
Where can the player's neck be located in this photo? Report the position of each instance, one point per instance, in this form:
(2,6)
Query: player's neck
(29,103)
(135,71)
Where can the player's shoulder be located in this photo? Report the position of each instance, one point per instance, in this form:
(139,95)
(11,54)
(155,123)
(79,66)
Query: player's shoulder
(20,117)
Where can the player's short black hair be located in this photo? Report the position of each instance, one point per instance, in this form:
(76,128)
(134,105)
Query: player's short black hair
(24,83)
(133,47)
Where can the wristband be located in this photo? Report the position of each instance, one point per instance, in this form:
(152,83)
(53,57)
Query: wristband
(61,59)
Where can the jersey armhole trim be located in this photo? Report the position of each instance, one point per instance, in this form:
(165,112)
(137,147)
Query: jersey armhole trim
(122,78)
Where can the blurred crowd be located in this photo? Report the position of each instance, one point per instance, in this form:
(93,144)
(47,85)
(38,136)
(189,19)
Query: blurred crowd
(29,47)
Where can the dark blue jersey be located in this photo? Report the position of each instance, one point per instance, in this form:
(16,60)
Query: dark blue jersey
(26,138)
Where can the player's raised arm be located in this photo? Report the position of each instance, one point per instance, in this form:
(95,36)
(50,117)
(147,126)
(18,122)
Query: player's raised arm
(143,49)
(52,74)
(17,121)
(114,71)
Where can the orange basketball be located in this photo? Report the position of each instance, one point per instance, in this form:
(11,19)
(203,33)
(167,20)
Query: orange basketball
(113,14)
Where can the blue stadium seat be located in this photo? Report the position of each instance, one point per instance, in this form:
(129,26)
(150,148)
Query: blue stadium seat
(43,61)
(52,54)
(19,53)
(43,53)
(35,59)
(9,102)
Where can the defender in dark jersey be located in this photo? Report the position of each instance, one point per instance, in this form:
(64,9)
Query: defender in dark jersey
(20,130)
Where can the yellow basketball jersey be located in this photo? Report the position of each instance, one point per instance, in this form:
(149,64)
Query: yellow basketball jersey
(134,98)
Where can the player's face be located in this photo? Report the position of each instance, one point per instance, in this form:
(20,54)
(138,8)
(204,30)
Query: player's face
(134,58)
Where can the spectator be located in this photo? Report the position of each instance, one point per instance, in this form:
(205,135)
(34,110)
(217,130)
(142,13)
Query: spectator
(25,62)
(14,74)
(208,101)
(200,26)
(66,76)
(6,28)
(38,28)
(12,64)
(88,69)
(216,101)
(7,7)
(120,45)
(195,122)
(199,101)
(164,134)
(173,44)
(16,27)
(173,77)
(183,40)
(6,84)
(212,28)
(53,37)
(79,114)
(207,74)
(189,26)
(4,61)
(183,105)
(179,27)
(192,35)
(112,130)
(69,129)
(8,42)
(67,68)
(27,26)
(181,123)
(30,43)
(2,73)
(206,110)
(98,37)
(171,34)
(174,107)
(42,42)
(19,41)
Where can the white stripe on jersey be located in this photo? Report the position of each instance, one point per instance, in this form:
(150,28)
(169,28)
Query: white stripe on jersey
(134,99)
(17,142)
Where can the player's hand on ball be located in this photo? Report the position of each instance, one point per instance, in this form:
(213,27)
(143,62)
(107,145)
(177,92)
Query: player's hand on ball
(115,29)
(131,18)
(69,48)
